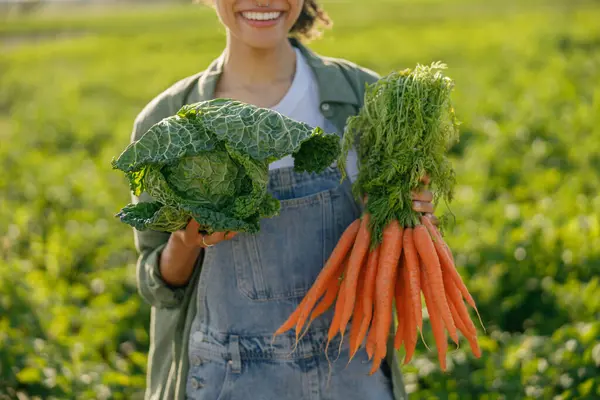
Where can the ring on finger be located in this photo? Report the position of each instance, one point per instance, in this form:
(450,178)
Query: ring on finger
(206,244)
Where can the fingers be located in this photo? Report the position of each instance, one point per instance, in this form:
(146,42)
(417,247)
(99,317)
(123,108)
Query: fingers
(422,200)
(189,235)
(229,235)
(211,240)
(434,220)
(423,195)
(193,237)
(423,207)
(192,226)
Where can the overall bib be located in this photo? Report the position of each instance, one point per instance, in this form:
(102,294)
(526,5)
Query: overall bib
(249,285)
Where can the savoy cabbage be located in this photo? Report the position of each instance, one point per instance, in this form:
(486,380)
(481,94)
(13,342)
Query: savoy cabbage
(210,162)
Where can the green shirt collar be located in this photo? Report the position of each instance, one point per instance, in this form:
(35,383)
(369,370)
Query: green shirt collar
(333,85)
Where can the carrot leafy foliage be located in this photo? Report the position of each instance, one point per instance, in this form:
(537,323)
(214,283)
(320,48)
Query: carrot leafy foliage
(402,133)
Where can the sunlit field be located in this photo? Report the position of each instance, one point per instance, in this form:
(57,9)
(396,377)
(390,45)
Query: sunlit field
(526,230)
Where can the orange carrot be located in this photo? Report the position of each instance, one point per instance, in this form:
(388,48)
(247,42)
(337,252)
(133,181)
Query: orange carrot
(410,324)
(447,261)
(336,258)
(358,314)
(391,249)
(437,236)
(460,325)
(372,337)
(474,346)
(399,294)
(431,263)
(435,319)
(334,328)
(367,295)
(328,299)
(471,337)
(356,263)
(461,316)
(292,319)
(355,329)
(413,276)
(455,300)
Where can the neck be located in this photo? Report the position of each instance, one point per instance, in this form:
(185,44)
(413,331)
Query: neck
(245,66)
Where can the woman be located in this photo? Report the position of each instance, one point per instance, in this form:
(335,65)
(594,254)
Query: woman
(216,300)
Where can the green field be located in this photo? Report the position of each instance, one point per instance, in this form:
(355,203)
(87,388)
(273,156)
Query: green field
(526,235)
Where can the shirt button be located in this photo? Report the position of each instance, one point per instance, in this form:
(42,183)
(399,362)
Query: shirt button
(196,360)
(197,337)
(196,384)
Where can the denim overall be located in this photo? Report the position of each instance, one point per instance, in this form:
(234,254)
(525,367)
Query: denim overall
(249,286)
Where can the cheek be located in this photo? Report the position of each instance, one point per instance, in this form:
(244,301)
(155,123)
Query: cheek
(295,7)
(225,13)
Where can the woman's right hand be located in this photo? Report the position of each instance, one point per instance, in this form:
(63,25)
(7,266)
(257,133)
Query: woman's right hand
(192,237)
(179,256)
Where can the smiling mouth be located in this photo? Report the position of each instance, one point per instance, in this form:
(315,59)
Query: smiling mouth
(261,16)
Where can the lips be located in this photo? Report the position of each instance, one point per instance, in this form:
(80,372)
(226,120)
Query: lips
(261,16)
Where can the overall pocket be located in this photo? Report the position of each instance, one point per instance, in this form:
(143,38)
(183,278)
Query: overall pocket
(211,369)
(207,379)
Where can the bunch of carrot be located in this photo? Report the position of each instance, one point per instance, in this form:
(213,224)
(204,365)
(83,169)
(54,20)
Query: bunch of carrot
(392,254)
(408,262)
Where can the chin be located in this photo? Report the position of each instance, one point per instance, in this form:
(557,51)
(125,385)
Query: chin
(263,43)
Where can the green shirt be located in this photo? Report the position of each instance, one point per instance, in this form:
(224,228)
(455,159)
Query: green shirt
(341,91)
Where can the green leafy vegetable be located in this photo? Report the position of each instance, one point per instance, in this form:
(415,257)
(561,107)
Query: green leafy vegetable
(210,162)
(402,133)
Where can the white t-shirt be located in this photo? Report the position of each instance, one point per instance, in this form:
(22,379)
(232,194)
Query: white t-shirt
(301,103)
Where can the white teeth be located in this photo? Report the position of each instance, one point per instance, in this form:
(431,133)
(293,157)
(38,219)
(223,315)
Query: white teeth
(261,16)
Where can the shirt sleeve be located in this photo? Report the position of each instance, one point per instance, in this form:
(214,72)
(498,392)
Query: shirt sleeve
(151,286)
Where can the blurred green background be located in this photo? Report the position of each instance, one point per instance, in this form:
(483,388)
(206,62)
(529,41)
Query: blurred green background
(527,229)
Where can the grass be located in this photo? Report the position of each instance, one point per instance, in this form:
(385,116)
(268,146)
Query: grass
(527,231)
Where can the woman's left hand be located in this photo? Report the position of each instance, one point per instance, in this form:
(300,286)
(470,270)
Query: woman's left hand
(422,201)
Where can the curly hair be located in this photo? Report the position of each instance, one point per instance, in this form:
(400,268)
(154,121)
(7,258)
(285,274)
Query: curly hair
(308,24)
(311,16)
